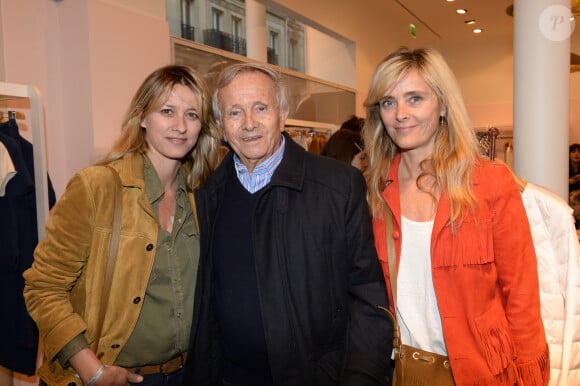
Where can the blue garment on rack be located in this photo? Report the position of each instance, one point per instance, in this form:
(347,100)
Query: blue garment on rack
(18,238)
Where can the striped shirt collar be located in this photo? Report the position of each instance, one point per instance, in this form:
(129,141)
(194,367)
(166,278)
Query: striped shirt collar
(262,173)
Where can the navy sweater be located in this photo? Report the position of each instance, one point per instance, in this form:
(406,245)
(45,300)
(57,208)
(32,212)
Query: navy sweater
(245,358)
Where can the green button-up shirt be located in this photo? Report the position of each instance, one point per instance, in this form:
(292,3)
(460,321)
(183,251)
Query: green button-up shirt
(162,330)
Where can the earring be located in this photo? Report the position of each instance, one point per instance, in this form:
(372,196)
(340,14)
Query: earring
(442,120)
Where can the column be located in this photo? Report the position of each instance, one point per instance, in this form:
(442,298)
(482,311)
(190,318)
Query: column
(542,32)
(256,31)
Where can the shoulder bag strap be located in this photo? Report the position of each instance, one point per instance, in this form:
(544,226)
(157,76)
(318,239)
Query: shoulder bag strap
(113,247)
(391,254)
(191,197)
(392,260)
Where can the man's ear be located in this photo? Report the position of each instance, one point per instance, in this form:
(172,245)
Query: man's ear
(283,117)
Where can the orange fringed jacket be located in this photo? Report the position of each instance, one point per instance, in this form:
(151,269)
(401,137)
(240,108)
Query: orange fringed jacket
(486,282)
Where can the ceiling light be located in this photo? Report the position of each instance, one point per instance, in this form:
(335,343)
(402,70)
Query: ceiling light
(461,11)
(450,1)
(477,31)
(472,21)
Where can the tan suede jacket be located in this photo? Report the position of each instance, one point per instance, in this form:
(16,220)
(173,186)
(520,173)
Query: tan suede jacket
(64,284)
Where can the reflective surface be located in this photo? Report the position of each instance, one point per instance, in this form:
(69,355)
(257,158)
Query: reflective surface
(311,100)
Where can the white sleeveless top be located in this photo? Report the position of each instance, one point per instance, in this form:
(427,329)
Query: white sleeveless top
(417,311)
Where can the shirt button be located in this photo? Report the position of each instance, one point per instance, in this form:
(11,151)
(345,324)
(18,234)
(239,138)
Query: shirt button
(136,300)
(396,234)
(149,247)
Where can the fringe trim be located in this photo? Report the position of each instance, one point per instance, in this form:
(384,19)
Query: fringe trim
(472,247)
(496,353)
(536,372)
(509,377)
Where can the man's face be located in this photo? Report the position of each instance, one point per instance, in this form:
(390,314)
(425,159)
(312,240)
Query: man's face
(251,117)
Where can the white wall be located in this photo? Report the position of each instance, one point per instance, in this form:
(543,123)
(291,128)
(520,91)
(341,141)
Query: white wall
(126,46)
(323,54)
(87,57)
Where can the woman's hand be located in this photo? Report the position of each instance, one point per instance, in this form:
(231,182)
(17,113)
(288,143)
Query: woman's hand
(117,376)
(88,367)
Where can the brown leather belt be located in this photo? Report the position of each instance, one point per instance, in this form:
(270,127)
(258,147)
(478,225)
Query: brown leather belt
(166,368)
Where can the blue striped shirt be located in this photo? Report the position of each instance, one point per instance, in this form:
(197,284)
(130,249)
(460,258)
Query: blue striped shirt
(262,173)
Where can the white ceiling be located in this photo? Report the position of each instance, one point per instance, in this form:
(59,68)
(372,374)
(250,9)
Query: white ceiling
(483,63)
(439,24)
(439,19)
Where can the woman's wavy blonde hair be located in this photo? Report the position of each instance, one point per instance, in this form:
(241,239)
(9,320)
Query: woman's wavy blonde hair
(153,92)
(456,149)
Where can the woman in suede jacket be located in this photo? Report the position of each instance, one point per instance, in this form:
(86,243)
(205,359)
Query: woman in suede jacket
(167,147)
(465,267)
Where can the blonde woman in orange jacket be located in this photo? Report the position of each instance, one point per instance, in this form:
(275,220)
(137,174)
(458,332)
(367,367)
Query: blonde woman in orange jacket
(467,281)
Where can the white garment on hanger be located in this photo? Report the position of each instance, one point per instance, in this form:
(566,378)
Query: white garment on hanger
(558,253)
(7,170)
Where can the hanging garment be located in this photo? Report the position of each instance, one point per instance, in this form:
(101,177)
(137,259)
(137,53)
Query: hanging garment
(558,254)
(18,238)
(7,170)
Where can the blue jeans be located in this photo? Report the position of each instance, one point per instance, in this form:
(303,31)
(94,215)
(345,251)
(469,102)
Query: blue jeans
(161,380)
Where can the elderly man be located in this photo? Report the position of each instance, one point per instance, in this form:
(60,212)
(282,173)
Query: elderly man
(289,274)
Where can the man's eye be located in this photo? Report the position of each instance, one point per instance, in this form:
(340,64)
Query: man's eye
(166,111)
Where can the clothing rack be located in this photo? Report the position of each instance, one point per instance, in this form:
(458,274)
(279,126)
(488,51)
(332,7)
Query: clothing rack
(493,132)
(487,141)
(311,139)
(11,114)
(9,91)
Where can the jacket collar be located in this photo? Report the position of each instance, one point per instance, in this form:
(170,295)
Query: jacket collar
(392,197)
(290,173)
(131,170)
(391,191)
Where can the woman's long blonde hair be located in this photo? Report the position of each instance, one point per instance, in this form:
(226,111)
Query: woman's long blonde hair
(152,93)
(456,149)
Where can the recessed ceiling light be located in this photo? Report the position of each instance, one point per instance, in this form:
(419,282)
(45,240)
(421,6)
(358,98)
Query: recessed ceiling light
(461,11)
(477,31)
(472,21)
(450,1)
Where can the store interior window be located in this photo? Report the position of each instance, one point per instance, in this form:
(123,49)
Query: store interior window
(291,40)
(216,36)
